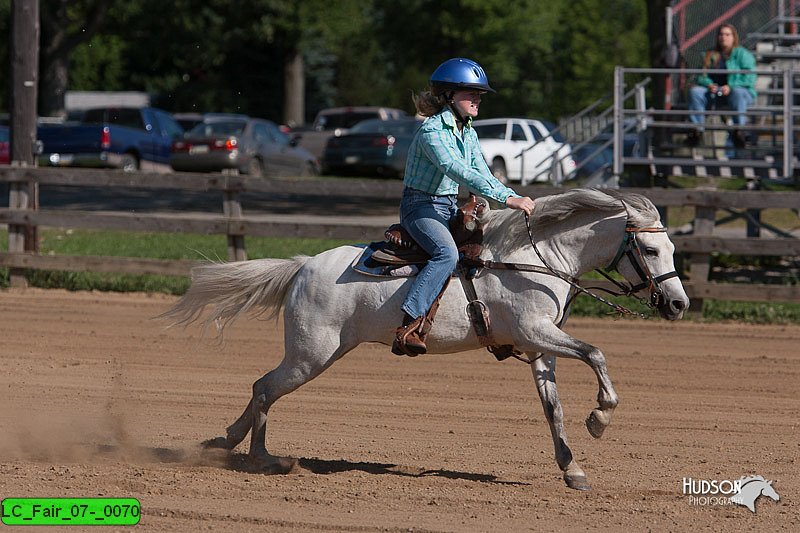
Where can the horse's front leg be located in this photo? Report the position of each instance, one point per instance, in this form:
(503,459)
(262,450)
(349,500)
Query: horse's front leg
(552,341)
(544,373)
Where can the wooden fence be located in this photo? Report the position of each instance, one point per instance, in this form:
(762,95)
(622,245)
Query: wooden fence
(235,224)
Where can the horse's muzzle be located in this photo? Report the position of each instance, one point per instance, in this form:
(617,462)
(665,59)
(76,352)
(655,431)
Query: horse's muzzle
(671,308)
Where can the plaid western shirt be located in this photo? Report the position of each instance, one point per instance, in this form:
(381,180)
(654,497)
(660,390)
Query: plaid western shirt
(440,158)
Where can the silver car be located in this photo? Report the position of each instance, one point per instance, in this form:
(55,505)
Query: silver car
(241,144)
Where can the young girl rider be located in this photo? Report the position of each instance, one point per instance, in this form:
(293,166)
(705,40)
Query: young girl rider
(443,155)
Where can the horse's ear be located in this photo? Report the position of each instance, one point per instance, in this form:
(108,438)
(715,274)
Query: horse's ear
(627,208)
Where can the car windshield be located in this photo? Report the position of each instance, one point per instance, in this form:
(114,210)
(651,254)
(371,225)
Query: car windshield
(217,129)
(491,131)
(3,135)
(394,127)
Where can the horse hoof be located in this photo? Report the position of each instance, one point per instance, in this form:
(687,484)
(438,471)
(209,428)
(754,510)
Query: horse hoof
(577,482)
(275,465)
(597,422)
(219,443)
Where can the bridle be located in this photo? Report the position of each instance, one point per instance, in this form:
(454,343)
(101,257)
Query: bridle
(630,248)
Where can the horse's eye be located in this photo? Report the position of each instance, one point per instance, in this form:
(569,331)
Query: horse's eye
(652,252)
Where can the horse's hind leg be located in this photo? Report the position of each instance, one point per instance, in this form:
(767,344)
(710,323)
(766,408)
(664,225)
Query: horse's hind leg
(236,432)
(296,369)
(544,373)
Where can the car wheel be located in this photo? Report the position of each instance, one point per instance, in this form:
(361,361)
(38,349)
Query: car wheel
(255,168)
(129,163)
(499,169)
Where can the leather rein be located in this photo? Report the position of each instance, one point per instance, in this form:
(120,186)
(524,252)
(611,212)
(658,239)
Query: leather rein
(629,248)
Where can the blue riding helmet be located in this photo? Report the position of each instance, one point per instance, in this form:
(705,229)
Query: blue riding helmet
(459,73)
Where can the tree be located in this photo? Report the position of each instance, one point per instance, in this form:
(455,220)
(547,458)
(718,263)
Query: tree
(587,51)
(285,60)
(66,24)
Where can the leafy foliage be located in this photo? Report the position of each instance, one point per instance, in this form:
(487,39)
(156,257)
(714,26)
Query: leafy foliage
(547,58)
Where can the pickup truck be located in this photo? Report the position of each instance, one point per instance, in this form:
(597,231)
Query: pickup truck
(120,137)
(335,121)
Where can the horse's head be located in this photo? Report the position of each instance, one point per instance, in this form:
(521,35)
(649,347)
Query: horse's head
(645,260)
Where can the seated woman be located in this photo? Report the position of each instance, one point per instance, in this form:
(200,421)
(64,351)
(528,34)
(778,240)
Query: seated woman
(728,91)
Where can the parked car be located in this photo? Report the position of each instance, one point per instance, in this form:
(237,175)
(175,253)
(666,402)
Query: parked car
(5,154)
(335,121)
(116,137)
(371,147)
(243,144)
(503,139)
(188,120)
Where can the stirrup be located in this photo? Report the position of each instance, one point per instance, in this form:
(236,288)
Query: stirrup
(400,347)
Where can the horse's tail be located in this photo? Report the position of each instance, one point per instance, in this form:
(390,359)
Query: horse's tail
(235,288)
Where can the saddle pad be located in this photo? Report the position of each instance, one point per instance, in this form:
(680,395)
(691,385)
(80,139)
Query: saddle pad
(364,264)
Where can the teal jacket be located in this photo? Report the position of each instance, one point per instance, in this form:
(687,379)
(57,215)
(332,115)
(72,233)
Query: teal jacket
(440,158)
(740,59)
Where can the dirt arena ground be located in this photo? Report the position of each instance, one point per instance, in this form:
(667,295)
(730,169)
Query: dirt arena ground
(98,399)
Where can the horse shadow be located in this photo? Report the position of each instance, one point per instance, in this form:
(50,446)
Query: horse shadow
(239,462)
(325,466)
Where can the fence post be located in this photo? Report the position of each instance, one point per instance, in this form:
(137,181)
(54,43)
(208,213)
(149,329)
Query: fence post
(24,59)
(754,215)
(700,263)
(232,208)
(788,124)
(619,108)
(17,199)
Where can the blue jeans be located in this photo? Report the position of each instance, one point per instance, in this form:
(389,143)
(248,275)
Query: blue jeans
(701,98)
(426,218)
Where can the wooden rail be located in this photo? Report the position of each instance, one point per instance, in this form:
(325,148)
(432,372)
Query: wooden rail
(235,224)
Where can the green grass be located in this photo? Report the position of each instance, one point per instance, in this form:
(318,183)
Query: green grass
(214,247)
(149,245)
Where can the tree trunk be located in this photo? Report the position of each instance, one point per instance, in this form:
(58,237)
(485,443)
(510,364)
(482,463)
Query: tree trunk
(659,45)
(294,90)
(66,24)
(54,79)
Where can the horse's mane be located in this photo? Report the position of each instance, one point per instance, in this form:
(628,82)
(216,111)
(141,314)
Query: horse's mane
(505,230)
(745,480)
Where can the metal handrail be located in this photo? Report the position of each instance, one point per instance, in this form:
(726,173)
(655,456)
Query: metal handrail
(585,111)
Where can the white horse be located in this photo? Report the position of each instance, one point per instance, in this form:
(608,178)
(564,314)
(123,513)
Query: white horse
(329,309)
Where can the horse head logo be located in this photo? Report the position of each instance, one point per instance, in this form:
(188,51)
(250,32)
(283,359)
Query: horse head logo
(751,488)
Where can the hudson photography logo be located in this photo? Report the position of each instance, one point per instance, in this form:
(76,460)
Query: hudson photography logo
(743,491)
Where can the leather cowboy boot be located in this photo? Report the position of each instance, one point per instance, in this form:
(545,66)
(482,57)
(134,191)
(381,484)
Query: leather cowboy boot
(408,340)
(410,337)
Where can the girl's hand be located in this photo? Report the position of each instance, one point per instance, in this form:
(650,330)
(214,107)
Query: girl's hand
(523,203)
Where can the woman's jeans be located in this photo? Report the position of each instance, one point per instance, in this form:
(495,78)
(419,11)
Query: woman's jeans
(700,99)
(426,218)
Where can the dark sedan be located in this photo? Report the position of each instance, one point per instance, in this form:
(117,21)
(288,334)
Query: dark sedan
(242,144)
(373,147)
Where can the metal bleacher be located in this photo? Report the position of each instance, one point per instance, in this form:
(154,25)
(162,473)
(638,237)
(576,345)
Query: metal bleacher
(770,31)
(623,136)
